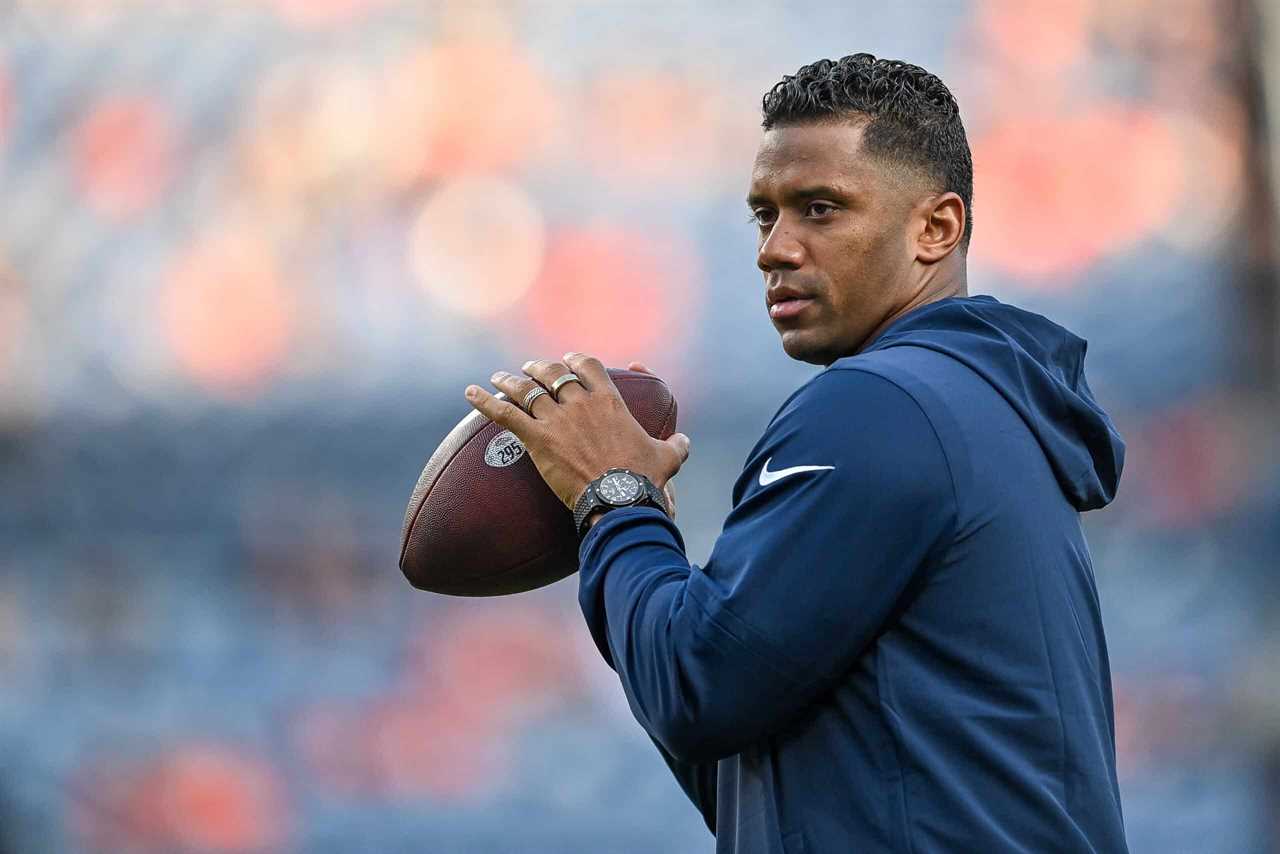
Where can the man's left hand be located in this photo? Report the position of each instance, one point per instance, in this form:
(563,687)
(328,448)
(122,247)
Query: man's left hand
(582,431)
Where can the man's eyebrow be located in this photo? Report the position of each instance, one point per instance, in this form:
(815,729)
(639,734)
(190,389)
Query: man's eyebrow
(816,191)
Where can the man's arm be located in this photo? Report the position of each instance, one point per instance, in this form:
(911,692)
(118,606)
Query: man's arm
(842,503)
(697,779)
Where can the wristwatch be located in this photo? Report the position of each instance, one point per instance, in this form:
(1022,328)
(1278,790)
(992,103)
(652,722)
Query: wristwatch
(613,489)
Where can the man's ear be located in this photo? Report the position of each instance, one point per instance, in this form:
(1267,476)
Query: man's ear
(943,220)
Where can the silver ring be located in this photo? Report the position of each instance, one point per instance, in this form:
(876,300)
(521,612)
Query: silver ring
(560,381)
(534,394)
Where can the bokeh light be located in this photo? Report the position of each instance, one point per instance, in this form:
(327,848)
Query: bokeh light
(508,662)
(653,130)
(470,679)
(313,142)
(616,294)
(436,747)
(477,244)
(1017,30)
(124,154)
(1053,194)
(412,747)
(228,314)
(220,799)
(474,104)
(201,796)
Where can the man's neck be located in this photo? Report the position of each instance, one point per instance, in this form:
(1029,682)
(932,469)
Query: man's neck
(956,286)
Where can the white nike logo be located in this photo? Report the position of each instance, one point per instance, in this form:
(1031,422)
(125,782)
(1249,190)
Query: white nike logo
(767,477)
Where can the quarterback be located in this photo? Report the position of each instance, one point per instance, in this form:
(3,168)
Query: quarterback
(896,644)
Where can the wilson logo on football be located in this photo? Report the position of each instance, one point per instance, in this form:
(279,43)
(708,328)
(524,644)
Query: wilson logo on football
(504,449)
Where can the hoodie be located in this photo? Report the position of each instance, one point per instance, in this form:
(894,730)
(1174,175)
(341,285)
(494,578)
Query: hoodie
(896,644)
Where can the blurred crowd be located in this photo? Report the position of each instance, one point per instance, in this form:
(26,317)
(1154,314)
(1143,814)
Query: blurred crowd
(252,251)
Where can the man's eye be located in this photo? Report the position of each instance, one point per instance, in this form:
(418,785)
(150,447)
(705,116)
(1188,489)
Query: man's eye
(761,217)
(820,209)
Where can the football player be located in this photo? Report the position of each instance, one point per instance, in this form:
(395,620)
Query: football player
(896,643)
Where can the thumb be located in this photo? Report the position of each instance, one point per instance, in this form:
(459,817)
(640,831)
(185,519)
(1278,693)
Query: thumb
(680,442)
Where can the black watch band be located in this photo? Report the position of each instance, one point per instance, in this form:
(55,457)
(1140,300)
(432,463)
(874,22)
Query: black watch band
(618,487)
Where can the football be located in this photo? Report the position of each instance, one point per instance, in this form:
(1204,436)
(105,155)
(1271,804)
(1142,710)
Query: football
(482,522)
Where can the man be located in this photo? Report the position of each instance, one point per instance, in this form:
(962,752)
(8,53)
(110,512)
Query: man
(896,644)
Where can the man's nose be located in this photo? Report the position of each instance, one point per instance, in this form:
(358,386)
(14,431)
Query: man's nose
(780,249)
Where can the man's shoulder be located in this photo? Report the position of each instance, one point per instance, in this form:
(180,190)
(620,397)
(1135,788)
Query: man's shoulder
(854,419)
(879,393)
(936,381)
(908,371)
(848,391)
(904,363)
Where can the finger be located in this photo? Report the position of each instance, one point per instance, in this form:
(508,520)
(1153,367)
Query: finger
(681,443)
(501,412)
(639,367)
(590,371)
(517,388)
(547,372)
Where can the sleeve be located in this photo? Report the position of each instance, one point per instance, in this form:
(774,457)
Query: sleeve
(698,780)
(840,506)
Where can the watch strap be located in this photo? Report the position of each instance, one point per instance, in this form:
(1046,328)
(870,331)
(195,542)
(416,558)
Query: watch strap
(590,501)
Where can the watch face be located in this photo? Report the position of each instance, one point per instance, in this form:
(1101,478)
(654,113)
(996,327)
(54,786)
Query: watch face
(619,488)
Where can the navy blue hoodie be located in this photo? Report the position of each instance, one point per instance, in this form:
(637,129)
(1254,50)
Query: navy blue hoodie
(896,643)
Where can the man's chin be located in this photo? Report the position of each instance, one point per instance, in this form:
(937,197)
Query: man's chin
(803,348)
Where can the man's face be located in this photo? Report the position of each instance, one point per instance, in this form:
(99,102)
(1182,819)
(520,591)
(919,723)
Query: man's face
(836,244)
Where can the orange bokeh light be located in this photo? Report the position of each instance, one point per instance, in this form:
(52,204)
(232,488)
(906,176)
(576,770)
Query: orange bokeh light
(644,128)
(1053,195)
(615,294)
(436,747)
(206,797)
(124,154)
(228,315)
(219,800)
(313,138)
(1035,38)
(472,104)
(477,245)
(500,663)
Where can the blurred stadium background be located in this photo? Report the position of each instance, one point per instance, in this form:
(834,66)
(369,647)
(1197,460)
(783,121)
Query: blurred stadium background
(251,252)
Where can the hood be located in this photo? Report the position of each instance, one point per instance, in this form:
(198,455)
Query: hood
(1038,367)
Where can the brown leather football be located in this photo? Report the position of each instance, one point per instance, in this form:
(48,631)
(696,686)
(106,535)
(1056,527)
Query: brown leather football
(482,522)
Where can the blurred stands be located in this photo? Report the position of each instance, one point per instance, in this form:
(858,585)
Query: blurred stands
(251,252)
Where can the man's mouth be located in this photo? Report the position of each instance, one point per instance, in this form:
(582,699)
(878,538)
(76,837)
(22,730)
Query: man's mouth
(788,307)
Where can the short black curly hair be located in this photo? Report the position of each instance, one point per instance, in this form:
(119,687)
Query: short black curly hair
(912,117)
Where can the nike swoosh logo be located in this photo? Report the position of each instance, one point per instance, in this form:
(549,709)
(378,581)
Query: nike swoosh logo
(767,477)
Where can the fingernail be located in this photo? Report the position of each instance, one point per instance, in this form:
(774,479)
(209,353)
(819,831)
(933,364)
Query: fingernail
(571,354)
(472,392)
(526,365)
(499,376)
